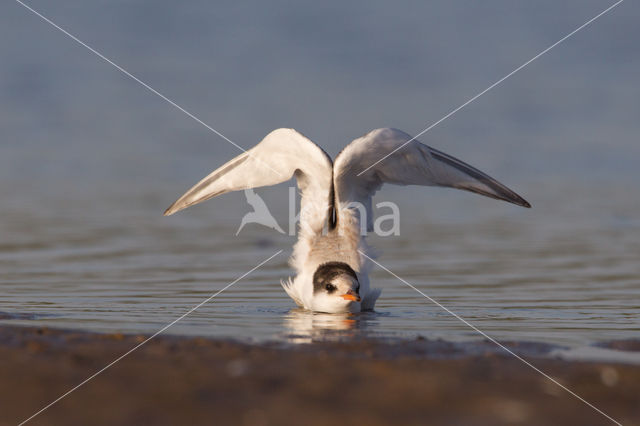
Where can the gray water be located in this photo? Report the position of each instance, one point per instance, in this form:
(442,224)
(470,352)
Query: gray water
(545,275)
(89,160)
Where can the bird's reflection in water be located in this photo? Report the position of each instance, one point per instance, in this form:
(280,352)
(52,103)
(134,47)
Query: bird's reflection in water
(305,326)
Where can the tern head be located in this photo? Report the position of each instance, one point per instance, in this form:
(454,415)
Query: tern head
(336,288)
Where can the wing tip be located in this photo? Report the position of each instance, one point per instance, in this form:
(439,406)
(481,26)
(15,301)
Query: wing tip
(514,198)
(173,208)
(508,196)
(518,200)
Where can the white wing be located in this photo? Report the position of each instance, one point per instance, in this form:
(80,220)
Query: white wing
(413,164)
(281,154)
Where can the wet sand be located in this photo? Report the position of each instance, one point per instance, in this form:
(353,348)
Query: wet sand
(173,380)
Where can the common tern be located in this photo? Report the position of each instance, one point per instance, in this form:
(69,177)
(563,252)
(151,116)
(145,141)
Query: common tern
(331,257)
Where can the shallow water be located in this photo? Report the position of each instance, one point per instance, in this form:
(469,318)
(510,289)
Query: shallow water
(89,160)
(110,263)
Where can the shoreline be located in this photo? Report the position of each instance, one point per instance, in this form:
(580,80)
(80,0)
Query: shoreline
(173,380)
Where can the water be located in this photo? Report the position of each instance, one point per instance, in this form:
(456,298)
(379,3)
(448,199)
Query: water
(109,264)
(89,160)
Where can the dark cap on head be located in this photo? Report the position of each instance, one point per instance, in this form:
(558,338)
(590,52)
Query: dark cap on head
(328,271)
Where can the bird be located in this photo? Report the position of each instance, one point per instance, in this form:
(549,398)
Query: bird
(331,257)
(260,213)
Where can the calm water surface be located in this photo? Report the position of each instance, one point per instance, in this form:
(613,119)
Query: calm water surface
(112,263)
(89,160)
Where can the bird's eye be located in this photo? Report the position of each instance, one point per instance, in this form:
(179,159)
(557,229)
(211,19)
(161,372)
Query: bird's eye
(330,287)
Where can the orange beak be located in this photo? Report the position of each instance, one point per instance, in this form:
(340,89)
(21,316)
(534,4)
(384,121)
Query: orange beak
(350,295)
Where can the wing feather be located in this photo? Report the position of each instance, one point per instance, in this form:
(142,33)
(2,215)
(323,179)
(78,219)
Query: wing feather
(411,163)
(282,154)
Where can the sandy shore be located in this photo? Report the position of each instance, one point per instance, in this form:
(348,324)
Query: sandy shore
(173,380)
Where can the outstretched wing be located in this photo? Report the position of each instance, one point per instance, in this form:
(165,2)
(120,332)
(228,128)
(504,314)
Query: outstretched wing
(281,154)
(413,164)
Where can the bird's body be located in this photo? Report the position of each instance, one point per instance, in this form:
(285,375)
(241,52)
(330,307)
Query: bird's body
(331,257)
(333,246)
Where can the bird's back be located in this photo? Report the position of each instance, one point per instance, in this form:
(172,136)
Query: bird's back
(340,244)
